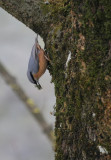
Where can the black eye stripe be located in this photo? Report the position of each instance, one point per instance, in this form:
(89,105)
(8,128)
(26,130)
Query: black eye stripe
(33,78)
(35,82)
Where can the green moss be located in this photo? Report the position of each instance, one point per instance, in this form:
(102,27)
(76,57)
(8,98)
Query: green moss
(45,8)
(80,94)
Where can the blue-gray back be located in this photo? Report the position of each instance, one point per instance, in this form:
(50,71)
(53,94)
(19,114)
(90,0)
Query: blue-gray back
(33,65)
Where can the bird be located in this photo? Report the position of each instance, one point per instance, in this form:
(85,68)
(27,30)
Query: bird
(42,63)
(37,64)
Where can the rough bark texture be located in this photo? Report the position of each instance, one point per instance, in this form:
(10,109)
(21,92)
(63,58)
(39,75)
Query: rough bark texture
(83,86)
(30,12)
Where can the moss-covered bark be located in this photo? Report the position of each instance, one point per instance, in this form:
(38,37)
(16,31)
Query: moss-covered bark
(83,87)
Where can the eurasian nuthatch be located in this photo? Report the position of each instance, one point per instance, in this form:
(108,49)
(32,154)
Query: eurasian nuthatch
(37,64)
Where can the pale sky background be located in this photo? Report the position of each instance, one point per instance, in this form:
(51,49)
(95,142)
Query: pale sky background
(21,138)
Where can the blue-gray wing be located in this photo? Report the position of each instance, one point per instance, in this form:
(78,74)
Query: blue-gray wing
(33,65)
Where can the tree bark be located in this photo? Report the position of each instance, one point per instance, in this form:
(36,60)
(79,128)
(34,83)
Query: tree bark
(77,36)
(30,12)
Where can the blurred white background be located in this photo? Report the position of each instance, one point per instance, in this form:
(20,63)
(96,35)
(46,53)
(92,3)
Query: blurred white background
(21,137)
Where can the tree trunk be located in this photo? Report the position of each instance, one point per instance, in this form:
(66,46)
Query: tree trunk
(77,36)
